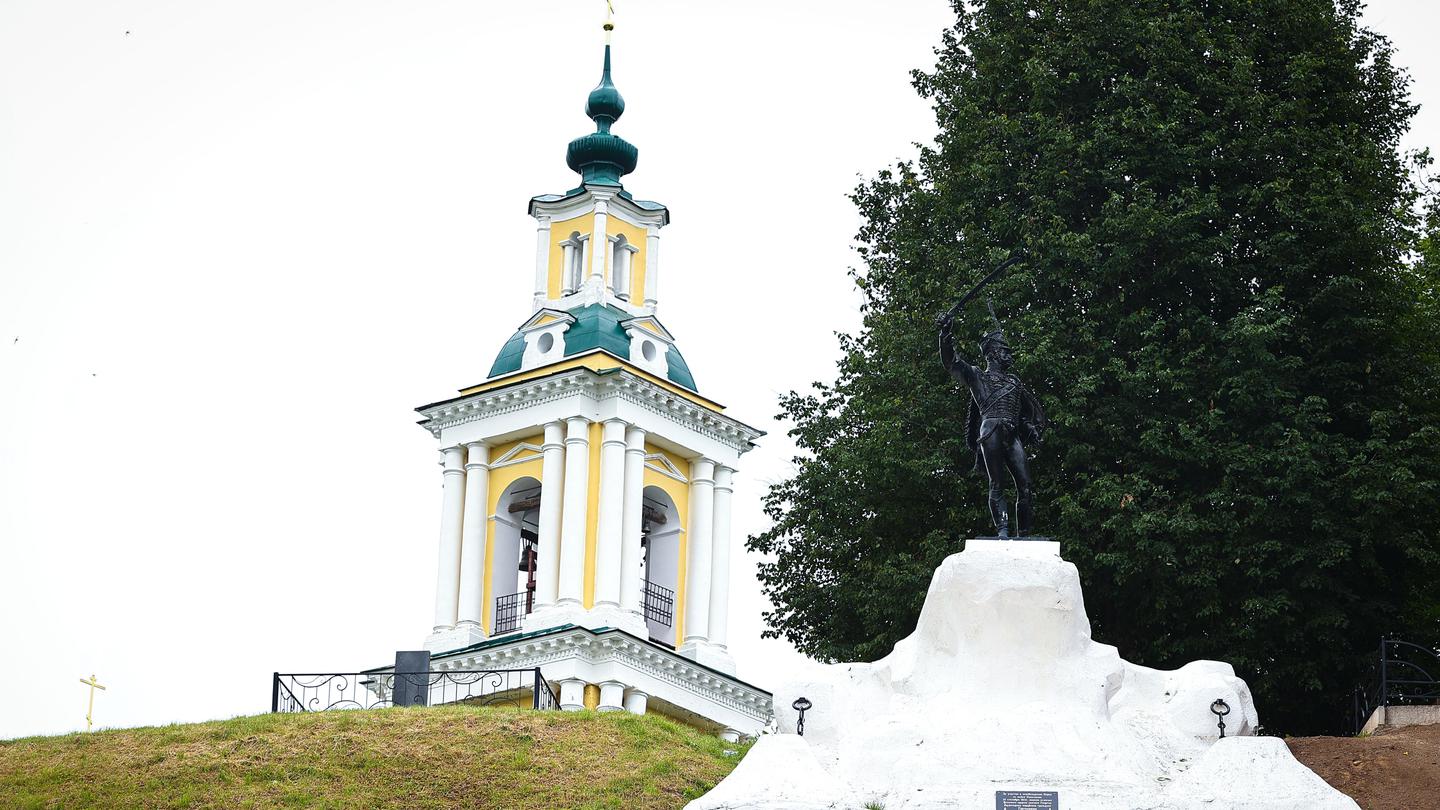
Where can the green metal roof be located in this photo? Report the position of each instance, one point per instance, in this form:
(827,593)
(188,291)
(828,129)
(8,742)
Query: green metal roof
(597,326)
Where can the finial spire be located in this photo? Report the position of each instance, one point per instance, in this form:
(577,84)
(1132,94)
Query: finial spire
(601,157)
(605,105)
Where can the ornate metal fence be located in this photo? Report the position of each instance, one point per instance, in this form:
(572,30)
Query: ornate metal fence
(510,609)
(318,692)
(659,603)
(1405,675)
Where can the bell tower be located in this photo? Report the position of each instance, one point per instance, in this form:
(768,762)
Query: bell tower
(587,482)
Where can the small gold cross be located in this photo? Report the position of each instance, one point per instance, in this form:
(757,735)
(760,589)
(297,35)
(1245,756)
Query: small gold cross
(93,684)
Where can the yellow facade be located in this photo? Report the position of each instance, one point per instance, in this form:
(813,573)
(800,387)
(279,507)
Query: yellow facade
(584,227)
(502,477)
(636,237)
(560,231)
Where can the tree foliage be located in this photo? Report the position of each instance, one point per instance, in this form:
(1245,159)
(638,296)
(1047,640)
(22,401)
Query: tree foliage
(1227,309)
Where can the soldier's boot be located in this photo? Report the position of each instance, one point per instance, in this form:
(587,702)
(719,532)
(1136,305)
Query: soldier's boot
(997,512)
(1024,512)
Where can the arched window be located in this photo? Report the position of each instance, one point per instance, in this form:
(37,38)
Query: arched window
(514,559)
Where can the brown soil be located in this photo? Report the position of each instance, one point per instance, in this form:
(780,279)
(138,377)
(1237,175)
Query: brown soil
(1394,769)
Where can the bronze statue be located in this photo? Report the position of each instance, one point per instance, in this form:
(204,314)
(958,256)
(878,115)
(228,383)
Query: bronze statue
(1004,418)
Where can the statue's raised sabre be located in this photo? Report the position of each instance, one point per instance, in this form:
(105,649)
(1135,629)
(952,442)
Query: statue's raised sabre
(1004,417)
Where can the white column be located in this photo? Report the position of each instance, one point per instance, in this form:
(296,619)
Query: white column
(573,517)
(567,262)
(635,701)
(472,536)
(620,273)
(612,511)
(542,261)
(630,527)
(652,266)
(720,558)
(452,505)
(552,485)
(599,243)
(697,566)
(572,694)
(612,696)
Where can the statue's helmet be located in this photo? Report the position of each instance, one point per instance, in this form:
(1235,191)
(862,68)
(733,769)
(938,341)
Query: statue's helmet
(993,340)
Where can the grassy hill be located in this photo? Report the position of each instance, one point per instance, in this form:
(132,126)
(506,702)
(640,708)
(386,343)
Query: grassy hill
(453,756)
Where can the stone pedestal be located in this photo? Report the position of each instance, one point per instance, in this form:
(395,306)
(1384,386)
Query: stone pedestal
(1000,688)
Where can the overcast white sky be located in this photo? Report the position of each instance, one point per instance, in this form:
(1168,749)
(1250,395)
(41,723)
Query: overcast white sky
(241,241)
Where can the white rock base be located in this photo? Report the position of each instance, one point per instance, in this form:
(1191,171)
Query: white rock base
(1001,688)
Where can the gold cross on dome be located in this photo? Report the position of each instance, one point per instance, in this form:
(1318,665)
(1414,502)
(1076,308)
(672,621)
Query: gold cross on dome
(93,684)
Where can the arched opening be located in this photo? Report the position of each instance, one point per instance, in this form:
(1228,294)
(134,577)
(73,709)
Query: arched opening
(513,558)
(660,531)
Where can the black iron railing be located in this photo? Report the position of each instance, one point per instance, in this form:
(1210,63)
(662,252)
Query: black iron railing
(510,609)
(1405,675)
(328,691)
(659,604)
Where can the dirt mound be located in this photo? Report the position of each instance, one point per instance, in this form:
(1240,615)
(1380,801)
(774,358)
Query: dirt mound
(1394,769)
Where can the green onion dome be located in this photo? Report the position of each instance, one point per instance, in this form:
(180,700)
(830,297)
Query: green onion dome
(605,105)
(601,157)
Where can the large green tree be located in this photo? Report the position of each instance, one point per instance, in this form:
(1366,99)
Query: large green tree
(1222,310)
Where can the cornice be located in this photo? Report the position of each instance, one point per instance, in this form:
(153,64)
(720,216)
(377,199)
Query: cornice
(570,206)
(607,646)
(598,386)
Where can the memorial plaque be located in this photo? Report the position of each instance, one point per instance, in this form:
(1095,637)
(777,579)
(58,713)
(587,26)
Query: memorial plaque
(1027,800)
(412,685)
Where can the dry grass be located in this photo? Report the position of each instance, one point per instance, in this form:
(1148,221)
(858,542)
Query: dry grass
(453,756)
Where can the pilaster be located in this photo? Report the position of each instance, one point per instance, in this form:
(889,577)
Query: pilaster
(542,261)
(600,244)
(652,266)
